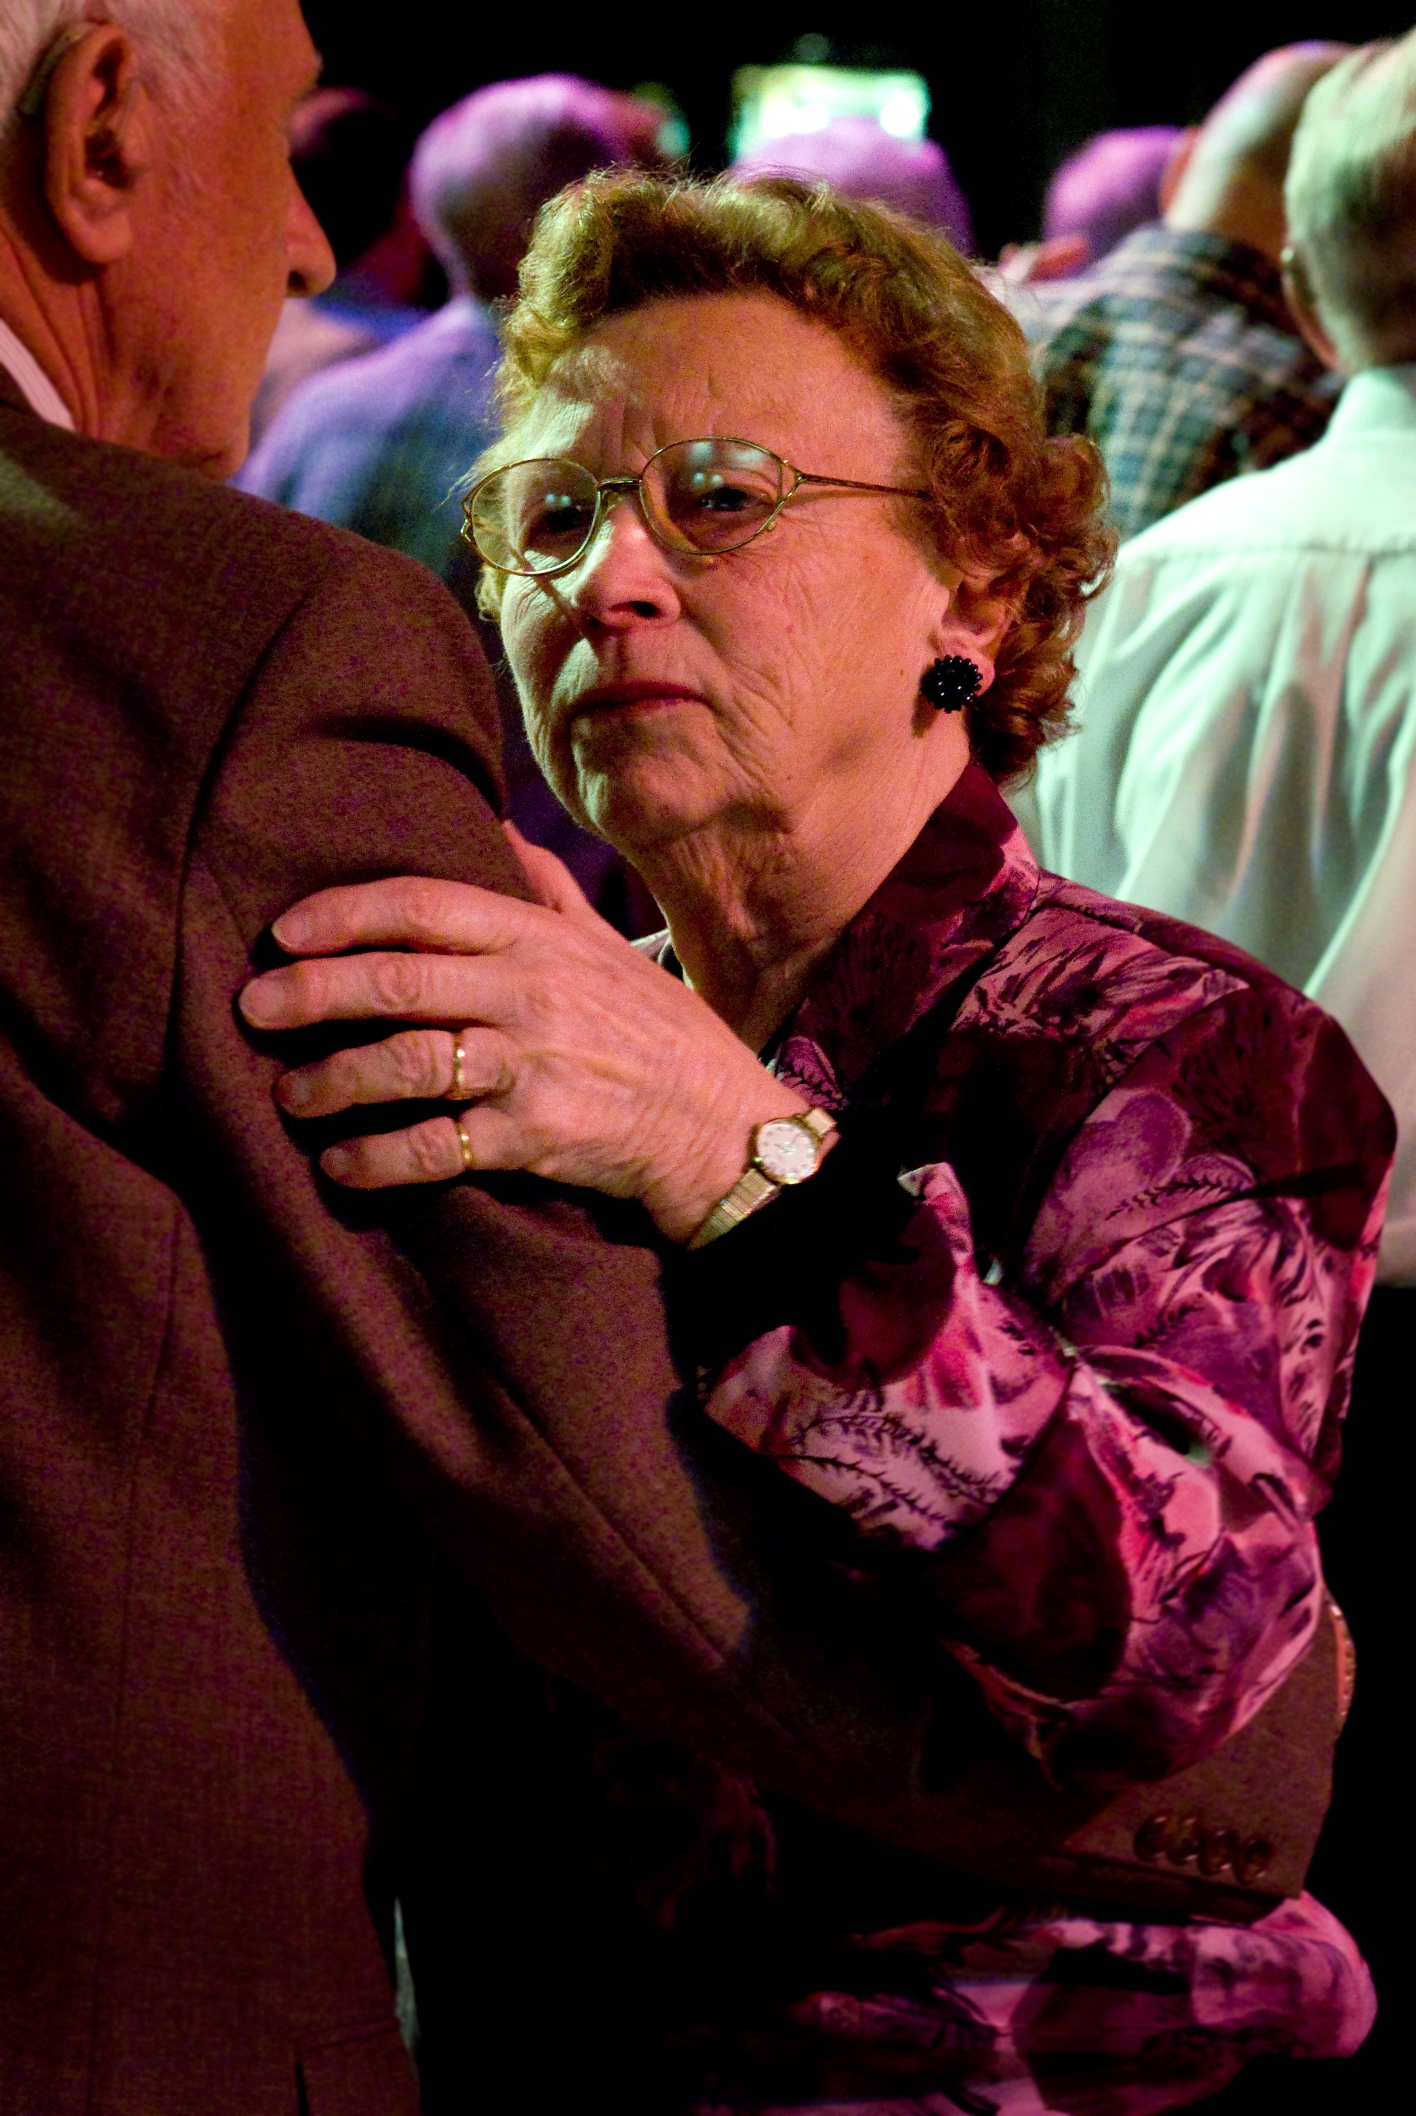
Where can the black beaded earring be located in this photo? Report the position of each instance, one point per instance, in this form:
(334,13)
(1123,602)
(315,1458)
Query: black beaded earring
(949,683)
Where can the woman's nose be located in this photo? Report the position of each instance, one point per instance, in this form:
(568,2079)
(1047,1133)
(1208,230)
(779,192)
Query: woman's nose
(625,578)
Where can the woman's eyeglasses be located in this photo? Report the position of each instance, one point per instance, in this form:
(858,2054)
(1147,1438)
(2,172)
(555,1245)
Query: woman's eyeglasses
(700,498)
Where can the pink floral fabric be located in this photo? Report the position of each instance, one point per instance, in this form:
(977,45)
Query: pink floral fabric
(1100,1381)
(1012,2024)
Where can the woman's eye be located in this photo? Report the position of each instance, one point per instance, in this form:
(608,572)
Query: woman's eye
(738,501)
(727,499)
(556,521)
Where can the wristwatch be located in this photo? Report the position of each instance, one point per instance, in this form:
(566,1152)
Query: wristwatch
(785,1150)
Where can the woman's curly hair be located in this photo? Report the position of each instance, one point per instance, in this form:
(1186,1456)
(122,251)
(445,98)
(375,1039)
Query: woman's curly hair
(1012,505)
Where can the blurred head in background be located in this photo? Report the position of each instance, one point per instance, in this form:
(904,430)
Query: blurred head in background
(860,158)
(1110,185)
(1228,178)
(483,169)
(1351,208)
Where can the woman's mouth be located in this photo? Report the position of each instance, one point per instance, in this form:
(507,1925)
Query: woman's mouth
(642,693)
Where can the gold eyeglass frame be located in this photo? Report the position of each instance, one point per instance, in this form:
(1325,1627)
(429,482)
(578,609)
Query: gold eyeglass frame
(615,486)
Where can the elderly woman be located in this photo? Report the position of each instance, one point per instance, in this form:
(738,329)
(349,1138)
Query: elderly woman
(1028,1232)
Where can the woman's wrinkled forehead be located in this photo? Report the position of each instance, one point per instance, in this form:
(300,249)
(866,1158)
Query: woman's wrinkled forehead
(587,386)
(748,365)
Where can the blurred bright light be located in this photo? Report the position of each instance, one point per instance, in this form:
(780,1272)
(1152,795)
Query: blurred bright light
(772,102)
(902,115)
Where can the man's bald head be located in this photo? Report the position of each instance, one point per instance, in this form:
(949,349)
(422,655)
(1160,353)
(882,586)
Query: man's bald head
(484,168)
(1231,182)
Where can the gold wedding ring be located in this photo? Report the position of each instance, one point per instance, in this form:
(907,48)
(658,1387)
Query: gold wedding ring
(468,1164)
(458,1091)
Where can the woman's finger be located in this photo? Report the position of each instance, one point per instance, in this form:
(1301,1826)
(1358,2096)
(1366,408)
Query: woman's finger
(432,1152)
(451,989)
(415,1065)
(409,910)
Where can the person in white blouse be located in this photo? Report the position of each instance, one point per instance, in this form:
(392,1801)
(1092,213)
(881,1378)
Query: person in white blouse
(1246,756)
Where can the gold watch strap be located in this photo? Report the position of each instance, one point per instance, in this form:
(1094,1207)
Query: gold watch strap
(753,1188)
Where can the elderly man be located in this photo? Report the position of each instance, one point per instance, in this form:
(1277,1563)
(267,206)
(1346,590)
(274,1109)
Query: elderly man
(262,1467)
(1176,353)
(1247,753)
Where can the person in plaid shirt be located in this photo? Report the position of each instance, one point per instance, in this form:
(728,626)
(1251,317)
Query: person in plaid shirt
(1175,353)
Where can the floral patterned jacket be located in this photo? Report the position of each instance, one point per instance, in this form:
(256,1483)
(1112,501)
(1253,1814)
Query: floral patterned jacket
(1093,1359)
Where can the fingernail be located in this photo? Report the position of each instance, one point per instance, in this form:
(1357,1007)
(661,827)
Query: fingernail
(337,1163)
(291,929)
(257,1004)
(293,1091)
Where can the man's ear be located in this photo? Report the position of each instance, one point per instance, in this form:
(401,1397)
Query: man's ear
(1298,293)
(98,143)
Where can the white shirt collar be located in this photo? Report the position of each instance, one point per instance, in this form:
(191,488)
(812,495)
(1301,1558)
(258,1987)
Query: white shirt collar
(35,386)
(1377,400)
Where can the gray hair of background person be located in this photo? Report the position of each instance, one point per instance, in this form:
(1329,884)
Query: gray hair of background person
(1350,201)
(1111,185)
(862,159)
(484,168)
(172,35)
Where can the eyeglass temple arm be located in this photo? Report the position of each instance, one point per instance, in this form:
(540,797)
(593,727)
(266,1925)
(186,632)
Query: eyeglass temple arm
(902,492)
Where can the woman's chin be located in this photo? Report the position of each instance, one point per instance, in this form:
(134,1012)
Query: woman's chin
(643,803)
(637,788)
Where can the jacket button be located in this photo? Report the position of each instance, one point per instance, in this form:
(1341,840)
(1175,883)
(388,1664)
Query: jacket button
(1151,1837)
(1255,1858)
(1218,1850)
(1185,1841)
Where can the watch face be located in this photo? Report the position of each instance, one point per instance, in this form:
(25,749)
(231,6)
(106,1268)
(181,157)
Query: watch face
(786,1151)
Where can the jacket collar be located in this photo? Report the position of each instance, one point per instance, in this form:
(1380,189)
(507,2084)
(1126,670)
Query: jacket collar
(966,884)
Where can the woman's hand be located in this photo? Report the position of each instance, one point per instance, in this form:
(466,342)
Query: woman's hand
(582,1059)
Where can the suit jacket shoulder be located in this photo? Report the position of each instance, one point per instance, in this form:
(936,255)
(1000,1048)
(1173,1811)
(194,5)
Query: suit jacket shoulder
(140,606)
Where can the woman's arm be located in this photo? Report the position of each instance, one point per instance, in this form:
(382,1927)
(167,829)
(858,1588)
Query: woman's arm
(1101,1475)
(1104,1472)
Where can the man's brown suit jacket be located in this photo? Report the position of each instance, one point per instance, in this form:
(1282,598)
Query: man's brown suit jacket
(240,1422)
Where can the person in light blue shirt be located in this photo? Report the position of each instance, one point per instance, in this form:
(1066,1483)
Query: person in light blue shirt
(380,443)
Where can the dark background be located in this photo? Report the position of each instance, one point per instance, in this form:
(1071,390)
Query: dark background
(1015,83)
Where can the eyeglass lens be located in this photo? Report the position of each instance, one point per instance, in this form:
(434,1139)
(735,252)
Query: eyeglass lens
(700,496)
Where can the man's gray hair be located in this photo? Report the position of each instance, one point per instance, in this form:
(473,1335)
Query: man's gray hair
(1350,203)
(173,36)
